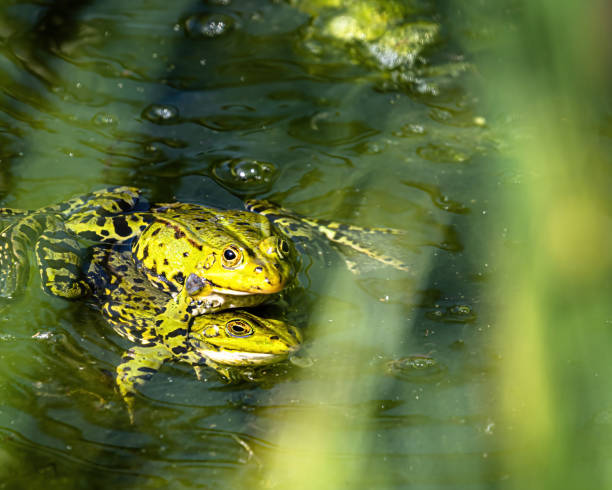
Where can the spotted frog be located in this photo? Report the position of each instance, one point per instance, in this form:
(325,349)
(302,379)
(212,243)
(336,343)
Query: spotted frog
(214,259)
(166,330)
(217,259)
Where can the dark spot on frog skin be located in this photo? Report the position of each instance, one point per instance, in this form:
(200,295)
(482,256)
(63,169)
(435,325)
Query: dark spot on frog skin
(179,349)
(145,369)
(165,261)
(274,337)
(121,226)
(179,277)
(179,332)
(125,205)
(90,235)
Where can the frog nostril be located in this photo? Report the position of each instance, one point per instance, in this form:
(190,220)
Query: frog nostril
(274,337)
(277,265)
(259,269)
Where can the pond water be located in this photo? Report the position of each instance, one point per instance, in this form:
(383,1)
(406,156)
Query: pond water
(214,102)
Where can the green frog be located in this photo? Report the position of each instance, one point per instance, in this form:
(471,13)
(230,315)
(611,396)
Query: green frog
(167,330)
(217,259)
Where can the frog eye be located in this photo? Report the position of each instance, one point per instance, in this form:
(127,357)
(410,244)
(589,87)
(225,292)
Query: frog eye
(238,328)
(283,248)
(232,256)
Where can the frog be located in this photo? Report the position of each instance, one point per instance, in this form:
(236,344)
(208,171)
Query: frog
(218,259)
(165,328)
(214,259)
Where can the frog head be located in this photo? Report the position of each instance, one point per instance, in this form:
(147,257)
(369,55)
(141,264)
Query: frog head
(238,338)
(214,252)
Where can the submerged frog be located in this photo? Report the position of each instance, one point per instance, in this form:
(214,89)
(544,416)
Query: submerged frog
(219,259)
(166,330)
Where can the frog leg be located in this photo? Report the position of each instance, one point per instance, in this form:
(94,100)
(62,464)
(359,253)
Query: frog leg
(173,324)
(137,366)
(230,374)
(17,238)
(373,243)
(15,242)
(59,261)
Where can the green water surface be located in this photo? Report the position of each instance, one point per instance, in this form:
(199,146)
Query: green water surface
(405,381)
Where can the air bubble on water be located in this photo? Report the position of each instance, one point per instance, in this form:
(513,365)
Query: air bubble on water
(104,119)
(161,114)
(244,173)
(208,26)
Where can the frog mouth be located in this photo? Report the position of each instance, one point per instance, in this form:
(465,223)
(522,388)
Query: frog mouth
(241,358)
(234,292)
(195,284)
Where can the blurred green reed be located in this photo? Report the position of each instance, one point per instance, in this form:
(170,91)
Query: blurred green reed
(555,309)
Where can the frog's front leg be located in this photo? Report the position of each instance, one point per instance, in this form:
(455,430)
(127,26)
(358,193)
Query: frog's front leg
(138,365)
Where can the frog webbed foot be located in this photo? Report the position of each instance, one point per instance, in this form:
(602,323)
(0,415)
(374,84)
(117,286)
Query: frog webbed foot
(138,365)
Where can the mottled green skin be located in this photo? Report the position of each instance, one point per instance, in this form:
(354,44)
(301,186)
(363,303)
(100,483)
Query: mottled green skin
(166,330)
(57,251)
(180,247)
